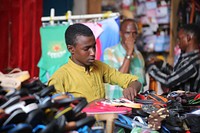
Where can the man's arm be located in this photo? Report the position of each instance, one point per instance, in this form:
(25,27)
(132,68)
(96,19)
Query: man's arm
(132,90)
(170,80)
(130,43)
(129,82)
(126,64)
(57,81)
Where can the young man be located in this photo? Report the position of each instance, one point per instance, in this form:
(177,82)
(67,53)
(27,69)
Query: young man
(185,75)
(83,76)
(125,57)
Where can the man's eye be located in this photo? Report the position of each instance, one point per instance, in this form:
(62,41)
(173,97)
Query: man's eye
(86,49)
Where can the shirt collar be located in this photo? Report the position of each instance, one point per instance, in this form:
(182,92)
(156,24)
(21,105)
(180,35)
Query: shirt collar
(184,55)
(78,67)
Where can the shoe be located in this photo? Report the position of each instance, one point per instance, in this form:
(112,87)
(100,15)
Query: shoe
(9,83)
(156,117)
(17,74)
(192,121)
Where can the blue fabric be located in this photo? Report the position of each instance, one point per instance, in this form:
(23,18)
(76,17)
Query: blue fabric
(21,128)
(124,119)
(7,127)
(110,35)
(84,129)
(38,128)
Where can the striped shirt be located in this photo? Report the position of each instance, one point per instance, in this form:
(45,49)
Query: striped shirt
(184,76)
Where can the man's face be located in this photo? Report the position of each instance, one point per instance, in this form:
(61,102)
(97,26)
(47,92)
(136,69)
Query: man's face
(84,52)
(128,29)
(182,40)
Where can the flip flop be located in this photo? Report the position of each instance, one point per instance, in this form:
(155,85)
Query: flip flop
(10,102)
(17,74)
(14,92)
(13,107)
(10,83)
(3,118)
(29,99)
(3,99)
(88,121)
(46,91)
(156,117)
(123,121)
(56,125)
(4,129)
(192,121)
(21,128)
(36,117)
(18,116)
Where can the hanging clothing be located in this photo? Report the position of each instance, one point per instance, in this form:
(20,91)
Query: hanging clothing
(54,50)
(110,35)
(97,30)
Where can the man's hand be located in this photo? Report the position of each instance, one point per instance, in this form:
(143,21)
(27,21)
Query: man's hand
(130,42)
(153,60)
(132,90)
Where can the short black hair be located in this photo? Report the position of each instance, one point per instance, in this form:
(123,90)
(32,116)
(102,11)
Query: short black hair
(75,30)
(128,20)
(192,29)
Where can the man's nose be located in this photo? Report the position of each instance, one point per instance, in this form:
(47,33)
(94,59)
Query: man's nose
(92,51)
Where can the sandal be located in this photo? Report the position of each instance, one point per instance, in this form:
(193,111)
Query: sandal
(9,83)
(17,74)
(156,117)
(192,121)
(174,122)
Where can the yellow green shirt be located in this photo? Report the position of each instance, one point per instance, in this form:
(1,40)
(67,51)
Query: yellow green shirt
(76,80)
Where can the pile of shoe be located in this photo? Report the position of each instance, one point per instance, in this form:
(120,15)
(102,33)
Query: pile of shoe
(178,111)
(35,108)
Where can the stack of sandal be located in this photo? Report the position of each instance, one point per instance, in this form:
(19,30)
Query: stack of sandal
(13,79)
(177,112)
(35,108)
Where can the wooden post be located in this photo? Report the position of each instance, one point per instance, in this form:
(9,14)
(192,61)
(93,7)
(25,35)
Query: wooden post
(173,29)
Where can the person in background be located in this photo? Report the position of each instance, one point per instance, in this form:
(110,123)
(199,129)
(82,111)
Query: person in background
(83,76)
(185,75)
(125,57)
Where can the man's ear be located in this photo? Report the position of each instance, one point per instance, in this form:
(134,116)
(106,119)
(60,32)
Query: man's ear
(70,49)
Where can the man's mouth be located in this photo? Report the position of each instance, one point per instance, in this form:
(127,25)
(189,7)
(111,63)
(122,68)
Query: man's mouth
(91,60)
